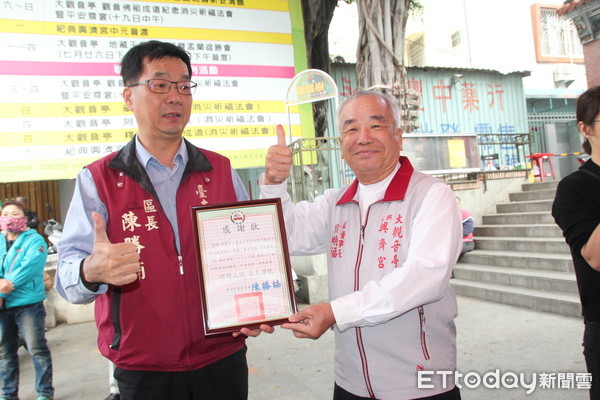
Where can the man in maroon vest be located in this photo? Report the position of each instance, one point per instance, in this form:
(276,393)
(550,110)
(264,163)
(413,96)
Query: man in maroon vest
(128,243)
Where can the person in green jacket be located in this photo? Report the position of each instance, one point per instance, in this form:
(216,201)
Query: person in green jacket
(23,254)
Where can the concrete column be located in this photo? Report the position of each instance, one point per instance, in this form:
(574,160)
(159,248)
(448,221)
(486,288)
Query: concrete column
(312,272)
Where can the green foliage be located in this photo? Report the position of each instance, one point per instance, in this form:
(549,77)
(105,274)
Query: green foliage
(414,5)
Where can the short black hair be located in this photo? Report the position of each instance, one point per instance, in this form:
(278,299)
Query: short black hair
(588,106)
(132,63)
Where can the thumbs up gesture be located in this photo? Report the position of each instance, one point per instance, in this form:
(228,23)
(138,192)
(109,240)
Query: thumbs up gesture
(112,263)
(278,160)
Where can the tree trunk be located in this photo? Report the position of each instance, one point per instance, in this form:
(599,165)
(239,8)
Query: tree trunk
(317,17)
(380,52)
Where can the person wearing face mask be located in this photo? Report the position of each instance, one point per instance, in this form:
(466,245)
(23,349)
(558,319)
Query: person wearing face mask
(23,254)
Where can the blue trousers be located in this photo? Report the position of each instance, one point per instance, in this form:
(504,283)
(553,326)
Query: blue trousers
(30,321)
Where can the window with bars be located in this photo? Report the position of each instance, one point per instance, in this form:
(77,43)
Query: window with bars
(556,38)
(416,53)
(559,37)
(456,40)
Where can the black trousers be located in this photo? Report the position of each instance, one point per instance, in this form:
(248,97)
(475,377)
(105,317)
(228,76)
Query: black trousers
(226,379)
(341,394)
(591,351)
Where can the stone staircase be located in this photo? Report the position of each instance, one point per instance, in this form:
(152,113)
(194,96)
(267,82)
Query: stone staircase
(520,256)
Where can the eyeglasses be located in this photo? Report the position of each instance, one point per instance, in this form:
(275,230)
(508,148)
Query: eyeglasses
(164,86)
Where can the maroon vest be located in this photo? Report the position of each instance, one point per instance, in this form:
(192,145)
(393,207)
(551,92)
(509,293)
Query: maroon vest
(155,323)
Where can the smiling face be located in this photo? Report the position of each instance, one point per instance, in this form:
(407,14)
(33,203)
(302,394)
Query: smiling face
(160,116)
(369,138)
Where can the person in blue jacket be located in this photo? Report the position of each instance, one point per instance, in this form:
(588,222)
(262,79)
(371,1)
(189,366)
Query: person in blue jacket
(23,254)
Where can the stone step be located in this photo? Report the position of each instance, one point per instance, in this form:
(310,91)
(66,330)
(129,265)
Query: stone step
(526,187)
(520,256)
(537,230)
(551,281)
(532,195)
(539,300)
(525,206)
(525,244)
(538,217)
(519,260)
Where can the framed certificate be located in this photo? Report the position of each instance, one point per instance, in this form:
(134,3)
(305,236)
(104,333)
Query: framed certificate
(245,270)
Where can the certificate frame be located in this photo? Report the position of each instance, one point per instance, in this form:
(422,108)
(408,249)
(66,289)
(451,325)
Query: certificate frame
(244,270)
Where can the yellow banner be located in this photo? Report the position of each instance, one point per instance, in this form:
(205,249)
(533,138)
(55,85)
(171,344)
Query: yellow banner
(43,169)
(272,5)
(50,135)
(246,158)
(142,32)
(69,168)
(47,110)
(103,136)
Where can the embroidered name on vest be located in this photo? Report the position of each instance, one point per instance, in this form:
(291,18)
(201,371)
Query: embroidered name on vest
(396,234)
(139,219)
(338,240)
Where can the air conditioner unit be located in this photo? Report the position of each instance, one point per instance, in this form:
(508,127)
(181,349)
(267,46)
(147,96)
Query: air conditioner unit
(564,75)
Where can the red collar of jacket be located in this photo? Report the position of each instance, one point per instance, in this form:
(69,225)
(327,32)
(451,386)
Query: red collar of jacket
(396,189)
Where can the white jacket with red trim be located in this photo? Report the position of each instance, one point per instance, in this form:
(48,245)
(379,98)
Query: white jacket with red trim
(388,280)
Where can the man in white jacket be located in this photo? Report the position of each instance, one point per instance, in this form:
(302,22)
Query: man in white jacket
(392,238)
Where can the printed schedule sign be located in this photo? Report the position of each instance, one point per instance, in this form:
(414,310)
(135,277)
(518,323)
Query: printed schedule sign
(245,271)
(62,106)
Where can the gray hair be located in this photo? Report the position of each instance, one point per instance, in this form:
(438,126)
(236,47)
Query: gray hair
(390,101)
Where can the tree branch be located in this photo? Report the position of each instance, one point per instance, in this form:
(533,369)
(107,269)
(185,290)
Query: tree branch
(373,29)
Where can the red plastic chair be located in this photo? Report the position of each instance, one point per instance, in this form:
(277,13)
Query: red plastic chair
(538,160)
